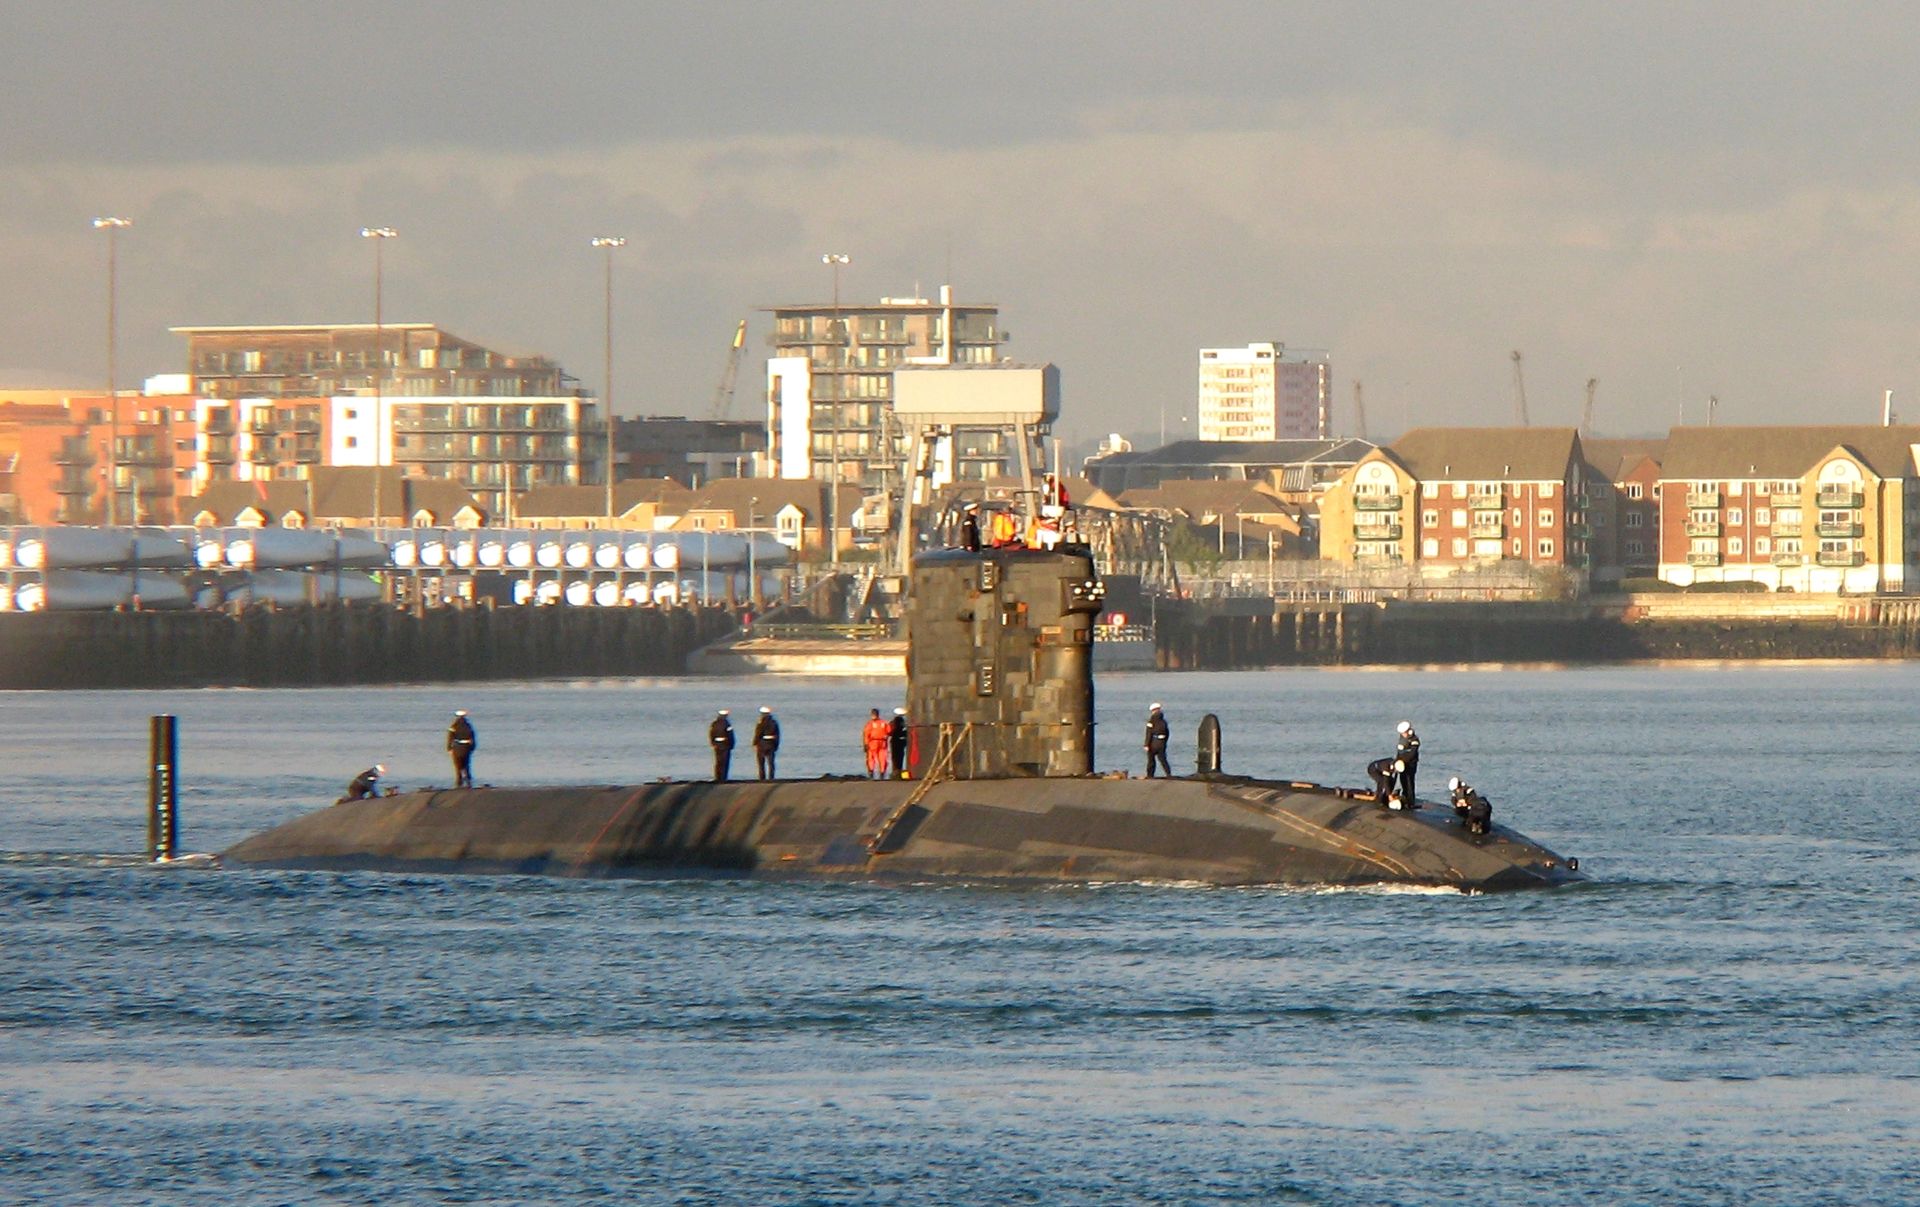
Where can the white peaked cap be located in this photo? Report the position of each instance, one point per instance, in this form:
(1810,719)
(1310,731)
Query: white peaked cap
(723,712)
(1405,727)
(1154,707)
(899,712)
(459,712)
(764,708)
(379,768)
(1454,782)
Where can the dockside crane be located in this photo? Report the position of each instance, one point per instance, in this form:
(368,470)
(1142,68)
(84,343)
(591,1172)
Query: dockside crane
(1359,411)
(730,376)
(1586,412)
(1520,391)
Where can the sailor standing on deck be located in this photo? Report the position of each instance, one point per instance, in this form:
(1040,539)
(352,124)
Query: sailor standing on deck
(1406,757)
(873,736)
(366,783)
(970,528)
(461,743)
(720,737)
(766,743)
(897,734)
(1156,741)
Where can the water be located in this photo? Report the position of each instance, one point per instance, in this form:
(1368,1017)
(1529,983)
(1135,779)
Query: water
(1729,1013)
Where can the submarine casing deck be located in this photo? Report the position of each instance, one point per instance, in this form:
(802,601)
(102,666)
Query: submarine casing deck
(1218,830)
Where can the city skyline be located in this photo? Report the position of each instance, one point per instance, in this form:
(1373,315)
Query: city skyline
(1715,201)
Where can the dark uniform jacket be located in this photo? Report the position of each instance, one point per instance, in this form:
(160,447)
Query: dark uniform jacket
(766,734)
(1408,751)
(720,733)
(1157,731)
(460,736)
(363,785)
(897,730)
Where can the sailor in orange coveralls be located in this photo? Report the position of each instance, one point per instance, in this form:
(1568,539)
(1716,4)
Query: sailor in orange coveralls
(874,735)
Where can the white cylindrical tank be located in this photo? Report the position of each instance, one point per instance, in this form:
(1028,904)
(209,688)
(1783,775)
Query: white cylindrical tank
(579,593)
(606,593)
(637,591)
(547,592)
(82,590)
(637,553)
(286,548)
(522,591)
(520,550)
(666,553)
(210,549)
(433,547)
(666,591)
(607,551)
(490,549)
(406,552)
(547,550)
(72,548)
(463,549)
(577,551)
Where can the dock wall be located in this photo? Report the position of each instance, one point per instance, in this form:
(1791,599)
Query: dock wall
(1248,633)
(298,647)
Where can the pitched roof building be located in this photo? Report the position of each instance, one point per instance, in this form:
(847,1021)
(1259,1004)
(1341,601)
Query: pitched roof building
(343,496)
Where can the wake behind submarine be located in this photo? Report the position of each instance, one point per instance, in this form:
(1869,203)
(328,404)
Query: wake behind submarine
(1000,689)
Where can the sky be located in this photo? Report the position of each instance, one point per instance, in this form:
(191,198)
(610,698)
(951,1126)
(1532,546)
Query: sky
(1682,200)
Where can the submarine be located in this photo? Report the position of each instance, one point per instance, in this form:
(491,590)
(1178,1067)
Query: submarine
(1002,787)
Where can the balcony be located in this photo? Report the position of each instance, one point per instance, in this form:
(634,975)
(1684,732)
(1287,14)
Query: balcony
(1376,502)
(1842,528)
(1786,528)
(1378,532)
(1488,526)
(1578,529)
(1789,559)
(69,456)
(1701,558)
(1703,498)
(1840,557)
(1785,500)
(1840,498)
(1485,502)
(1703,527)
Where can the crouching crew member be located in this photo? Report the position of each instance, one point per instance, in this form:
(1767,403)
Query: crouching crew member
(1155,743)
(367,783)
(1471,807)
(461,743)
(720,737)
(766,743)
(1380,771)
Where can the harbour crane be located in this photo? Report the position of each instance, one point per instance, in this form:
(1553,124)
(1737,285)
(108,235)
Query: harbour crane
(730,376)
(1359,411)
(1520,391)
(1586,412)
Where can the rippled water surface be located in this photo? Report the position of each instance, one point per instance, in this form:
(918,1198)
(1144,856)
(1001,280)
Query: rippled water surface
(1728,1013)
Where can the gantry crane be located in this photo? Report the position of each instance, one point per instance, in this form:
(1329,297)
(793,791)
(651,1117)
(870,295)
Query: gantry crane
(1359,411)
(1586,412)
(1520,391)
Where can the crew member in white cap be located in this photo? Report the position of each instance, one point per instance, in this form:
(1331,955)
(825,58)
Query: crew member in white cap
(766,743)
(720,737)
(1406,756)
(1156,741)
(366,783)
(461,743)
(897,734)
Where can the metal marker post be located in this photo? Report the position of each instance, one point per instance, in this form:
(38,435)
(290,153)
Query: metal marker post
(163,789)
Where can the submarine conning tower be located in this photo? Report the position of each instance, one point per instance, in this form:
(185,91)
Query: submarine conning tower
(1000,662)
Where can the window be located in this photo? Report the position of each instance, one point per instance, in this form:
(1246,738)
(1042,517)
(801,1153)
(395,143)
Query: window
(1635,519)
(1519,517)
(1762,546)
(1546,548)
(1546,489)
(1459,490)
(1633,490)
(1430,547)
(1459,546)
(1517,547)
(1546,519)
(1429,490)
(1429,519)
(1635,549)
(1734,546)
(1734,488)
(1762,516)
(1735,515)
(1459,518)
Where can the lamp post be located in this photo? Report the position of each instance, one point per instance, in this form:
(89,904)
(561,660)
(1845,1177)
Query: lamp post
(836,261)
(113,227)
(609,244)
(753,574)
(379,235)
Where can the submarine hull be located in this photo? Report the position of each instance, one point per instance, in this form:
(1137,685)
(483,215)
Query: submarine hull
(1216,830)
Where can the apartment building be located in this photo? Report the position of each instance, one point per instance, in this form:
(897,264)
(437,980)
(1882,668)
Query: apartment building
(1817,508)
(1265,392)
(1623,506)
(830,388)
(1448,498)
(73,458)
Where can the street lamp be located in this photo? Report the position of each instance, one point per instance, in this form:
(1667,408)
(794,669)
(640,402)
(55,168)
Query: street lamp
(379,235)
(113,227)
(753,574)
(609,243)
(835,260)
